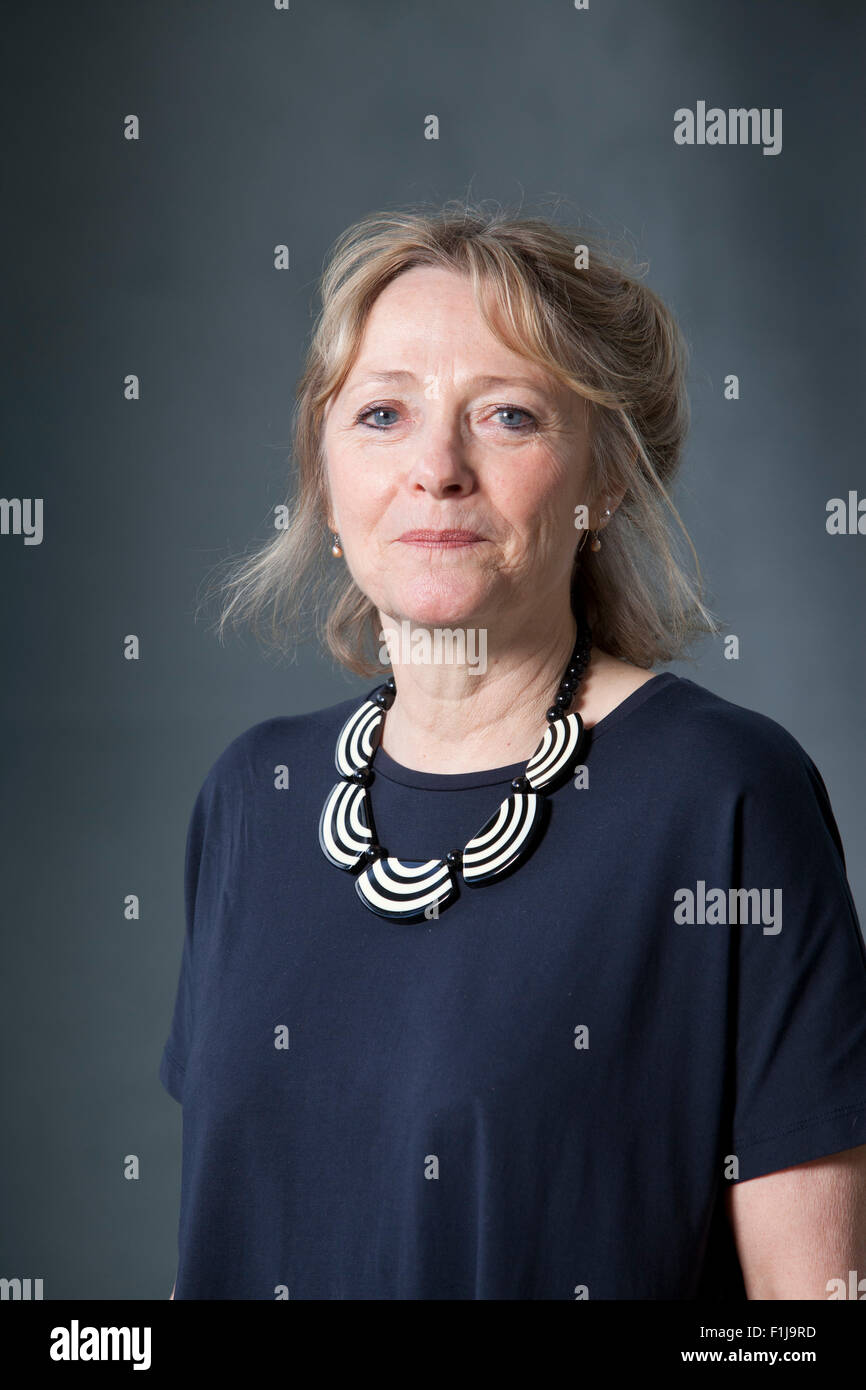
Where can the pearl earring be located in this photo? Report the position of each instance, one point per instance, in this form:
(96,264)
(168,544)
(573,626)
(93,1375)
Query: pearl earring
(595,543)
(336,548)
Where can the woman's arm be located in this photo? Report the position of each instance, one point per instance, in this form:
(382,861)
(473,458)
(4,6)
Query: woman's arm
(797,1229)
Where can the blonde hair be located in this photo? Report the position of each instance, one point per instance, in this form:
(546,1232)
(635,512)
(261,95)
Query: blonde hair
(596,329)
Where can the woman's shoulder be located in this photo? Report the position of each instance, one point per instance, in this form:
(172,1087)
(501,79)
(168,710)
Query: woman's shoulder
(696,730)
(720,739)
(283,739)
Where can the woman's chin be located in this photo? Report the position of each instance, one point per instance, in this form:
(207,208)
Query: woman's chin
(440,601)
(439,611)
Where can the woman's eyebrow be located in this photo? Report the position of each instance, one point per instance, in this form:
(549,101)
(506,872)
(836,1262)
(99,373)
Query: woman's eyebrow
(483,381)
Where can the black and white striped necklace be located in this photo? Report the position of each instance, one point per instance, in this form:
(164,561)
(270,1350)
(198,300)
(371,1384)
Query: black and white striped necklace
(416,888)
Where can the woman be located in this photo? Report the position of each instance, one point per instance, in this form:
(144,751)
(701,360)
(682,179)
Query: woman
(533,973)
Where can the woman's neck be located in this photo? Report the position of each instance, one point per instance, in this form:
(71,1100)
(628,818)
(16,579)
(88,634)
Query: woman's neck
(446,720)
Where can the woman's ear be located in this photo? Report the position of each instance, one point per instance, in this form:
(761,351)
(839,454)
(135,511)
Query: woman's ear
(613,498)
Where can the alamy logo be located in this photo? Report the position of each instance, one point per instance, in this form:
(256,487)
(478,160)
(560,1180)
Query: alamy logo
(434,647)
(855,1288)
(717,906)
(23,1289)
(846,519)
(76,1343)
(22,516)
(736,126)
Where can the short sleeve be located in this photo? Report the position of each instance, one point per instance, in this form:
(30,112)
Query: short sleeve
(799,1075)
(174,1056)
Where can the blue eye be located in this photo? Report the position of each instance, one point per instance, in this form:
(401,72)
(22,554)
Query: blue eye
(515,410)
(375,410)
(362,418)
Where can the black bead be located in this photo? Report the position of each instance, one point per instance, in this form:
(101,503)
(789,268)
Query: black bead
(454,858)
(363,776)
(553,713)
(373,852)
(521,783)
(391,684)
(564,699)
(383,697)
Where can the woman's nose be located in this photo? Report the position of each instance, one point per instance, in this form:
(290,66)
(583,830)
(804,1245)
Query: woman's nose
(440,462)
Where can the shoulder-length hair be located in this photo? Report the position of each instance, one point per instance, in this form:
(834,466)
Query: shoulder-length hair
(563,300)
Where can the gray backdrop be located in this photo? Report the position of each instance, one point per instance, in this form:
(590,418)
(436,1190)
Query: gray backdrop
(261,126)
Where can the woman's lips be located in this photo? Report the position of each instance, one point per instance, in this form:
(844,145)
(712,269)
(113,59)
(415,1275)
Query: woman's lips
(441,538)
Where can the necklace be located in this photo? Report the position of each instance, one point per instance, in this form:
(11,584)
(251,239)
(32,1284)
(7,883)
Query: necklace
(416,888)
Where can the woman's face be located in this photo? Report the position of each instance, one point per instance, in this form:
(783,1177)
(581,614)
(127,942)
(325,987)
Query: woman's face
(421,438)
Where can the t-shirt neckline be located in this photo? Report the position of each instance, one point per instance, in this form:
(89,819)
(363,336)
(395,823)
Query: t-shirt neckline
(385,766)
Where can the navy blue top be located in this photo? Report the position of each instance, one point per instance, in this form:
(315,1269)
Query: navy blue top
(544,1093)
